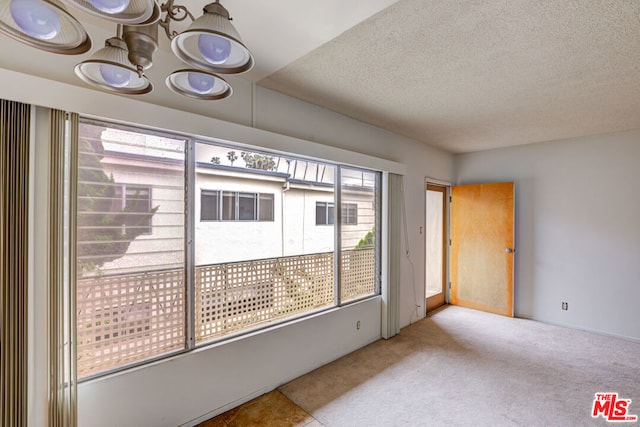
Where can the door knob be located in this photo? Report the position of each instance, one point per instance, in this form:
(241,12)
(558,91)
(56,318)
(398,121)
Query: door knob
(509,250)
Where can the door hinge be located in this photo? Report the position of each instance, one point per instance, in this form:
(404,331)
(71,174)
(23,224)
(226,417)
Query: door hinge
(450,199)
(449,242)
(449,285)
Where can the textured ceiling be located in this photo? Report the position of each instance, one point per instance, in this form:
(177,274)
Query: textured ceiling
(473,75)
(462,75)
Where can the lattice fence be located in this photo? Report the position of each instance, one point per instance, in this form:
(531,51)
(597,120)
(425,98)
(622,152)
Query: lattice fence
(232,297)
(358,274)
(131,317)
(127,318)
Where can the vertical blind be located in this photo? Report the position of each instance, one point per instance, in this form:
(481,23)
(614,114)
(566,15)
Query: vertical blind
(14,213)
(391,299)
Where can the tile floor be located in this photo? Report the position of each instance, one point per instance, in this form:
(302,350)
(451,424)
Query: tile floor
(269,410)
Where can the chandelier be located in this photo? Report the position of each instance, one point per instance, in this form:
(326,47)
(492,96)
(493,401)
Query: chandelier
(209,46)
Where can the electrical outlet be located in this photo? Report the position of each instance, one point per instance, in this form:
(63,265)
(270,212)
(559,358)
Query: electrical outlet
(565,306)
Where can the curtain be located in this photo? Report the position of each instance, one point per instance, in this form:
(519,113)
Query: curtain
(61,270)
(15,122)
(391,295)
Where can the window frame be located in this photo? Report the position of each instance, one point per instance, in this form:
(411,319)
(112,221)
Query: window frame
(329,212)
(216,208)
(188,253)
(272,213)
(377,208)
(348,217)
(242,211)
(190,221)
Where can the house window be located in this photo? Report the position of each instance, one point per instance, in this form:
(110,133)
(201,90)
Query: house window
(325,213)
(229,206)
(247,206)
(350,214)
(236,206)
(209,205)
(134,204)
(265,207)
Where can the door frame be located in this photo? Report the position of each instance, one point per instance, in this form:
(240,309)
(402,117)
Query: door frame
(446,236)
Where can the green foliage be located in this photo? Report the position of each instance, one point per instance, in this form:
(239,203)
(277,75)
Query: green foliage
(258,161)
(105,229)
(368,241)
(232,157)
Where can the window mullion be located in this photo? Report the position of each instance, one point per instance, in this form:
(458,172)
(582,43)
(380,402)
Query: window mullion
(219,205)
(337,221)
(257,207)
(237,205)
(378,233)
(190,178)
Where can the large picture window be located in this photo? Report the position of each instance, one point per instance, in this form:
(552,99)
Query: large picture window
(257,257)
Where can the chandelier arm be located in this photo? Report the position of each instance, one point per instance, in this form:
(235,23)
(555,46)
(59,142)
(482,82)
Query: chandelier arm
(173,13)
(120,66)
(165,24)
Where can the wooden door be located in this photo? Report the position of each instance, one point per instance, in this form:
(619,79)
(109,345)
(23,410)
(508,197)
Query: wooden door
(482,247)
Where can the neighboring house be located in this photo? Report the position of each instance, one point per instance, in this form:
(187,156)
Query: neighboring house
(135,171)
(240,213)
(265,214)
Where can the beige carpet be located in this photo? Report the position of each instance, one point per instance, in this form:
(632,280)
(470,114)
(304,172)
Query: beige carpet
(463,367)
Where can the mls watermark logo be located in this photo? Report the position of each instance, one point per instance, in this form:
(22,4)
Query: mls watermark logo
(612,409)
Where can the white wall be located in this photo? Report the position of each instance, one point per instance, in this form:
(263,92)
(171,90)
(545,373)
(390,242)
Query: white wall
(300,233)
(577,230)
(198,386)
(214,379)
